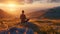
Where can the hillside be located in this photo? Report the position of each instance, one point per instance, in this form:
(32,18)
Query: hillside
(53,13)
(36,14)
(4,14)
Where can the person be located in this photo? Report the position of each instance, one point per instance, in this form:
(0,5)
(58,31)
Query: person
(23,17)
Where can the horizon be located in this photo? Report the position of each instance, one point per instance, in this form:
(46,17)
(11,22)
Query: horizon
(15,7)
(39,17)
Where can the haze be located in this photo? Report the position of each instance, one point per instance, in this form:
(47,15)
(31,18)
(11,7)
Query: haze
(16,6)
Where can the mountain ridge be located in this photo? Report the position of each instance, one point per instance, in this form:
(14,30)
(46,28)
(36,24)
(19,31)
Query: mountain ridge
(47,13)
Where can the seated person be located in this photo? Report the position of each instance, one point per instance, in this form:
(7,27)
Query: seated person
(22,17)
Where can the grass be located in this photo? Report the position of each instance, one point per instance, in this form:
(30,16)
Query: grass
(40,26)
(50,28)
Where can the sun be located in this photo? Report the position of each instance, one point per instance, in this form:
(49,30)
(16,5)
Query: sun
(11,7)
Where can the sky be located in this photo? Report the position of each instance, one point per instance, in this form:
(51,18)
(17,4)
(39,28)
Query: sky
(41,1)
(17,6)
(48,0)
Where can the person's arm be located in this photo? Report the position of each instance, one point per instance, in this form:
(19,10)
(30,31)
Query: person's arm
(25,16)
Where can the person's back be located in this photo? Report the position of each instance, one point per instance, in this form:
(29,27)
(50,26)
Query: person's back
(22,17)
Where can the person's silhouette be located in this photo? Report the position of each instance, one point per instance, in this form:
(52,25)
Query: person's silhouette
(23,17)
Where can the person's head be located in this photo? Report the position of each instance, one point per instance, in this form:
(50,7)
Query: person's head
(22,11)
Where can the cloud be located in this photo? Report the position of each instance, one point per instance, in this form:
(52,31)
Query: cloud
(55,0)
(47,1)
(2,0)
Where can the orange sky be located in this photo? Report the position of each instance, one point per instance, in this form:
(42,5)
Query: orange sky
(15,7)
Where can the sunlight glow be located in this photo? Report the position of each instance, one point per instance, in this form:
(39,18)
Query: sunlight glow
(11,6)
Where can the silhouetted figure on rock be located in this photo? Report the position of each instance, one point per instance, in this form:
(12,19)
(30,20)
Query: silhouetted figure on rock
(23,17)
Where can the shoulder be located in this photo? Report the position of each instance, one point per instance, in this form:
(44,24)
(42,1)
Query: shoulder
(22,15)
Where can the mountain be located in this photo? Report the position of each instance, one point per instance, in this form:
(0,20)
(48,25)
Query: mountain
(53,13)
(36,14)
(4,14)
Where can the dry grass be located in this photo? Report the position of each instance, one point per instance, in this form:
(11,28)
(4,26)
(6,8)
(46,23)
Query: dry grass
(46,27)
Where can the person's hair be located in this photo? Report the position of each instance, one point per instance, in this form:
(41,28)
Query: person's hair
(22,11)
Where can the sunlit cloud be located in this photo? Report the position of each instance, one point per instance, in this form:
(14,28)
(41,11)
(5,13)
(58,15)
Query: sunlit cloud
(56,1)
(16,6)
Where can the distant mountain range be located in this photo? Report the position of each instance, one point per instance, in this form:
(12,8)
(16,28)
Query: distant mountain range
(4,14)
(36,14)
(51,13)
